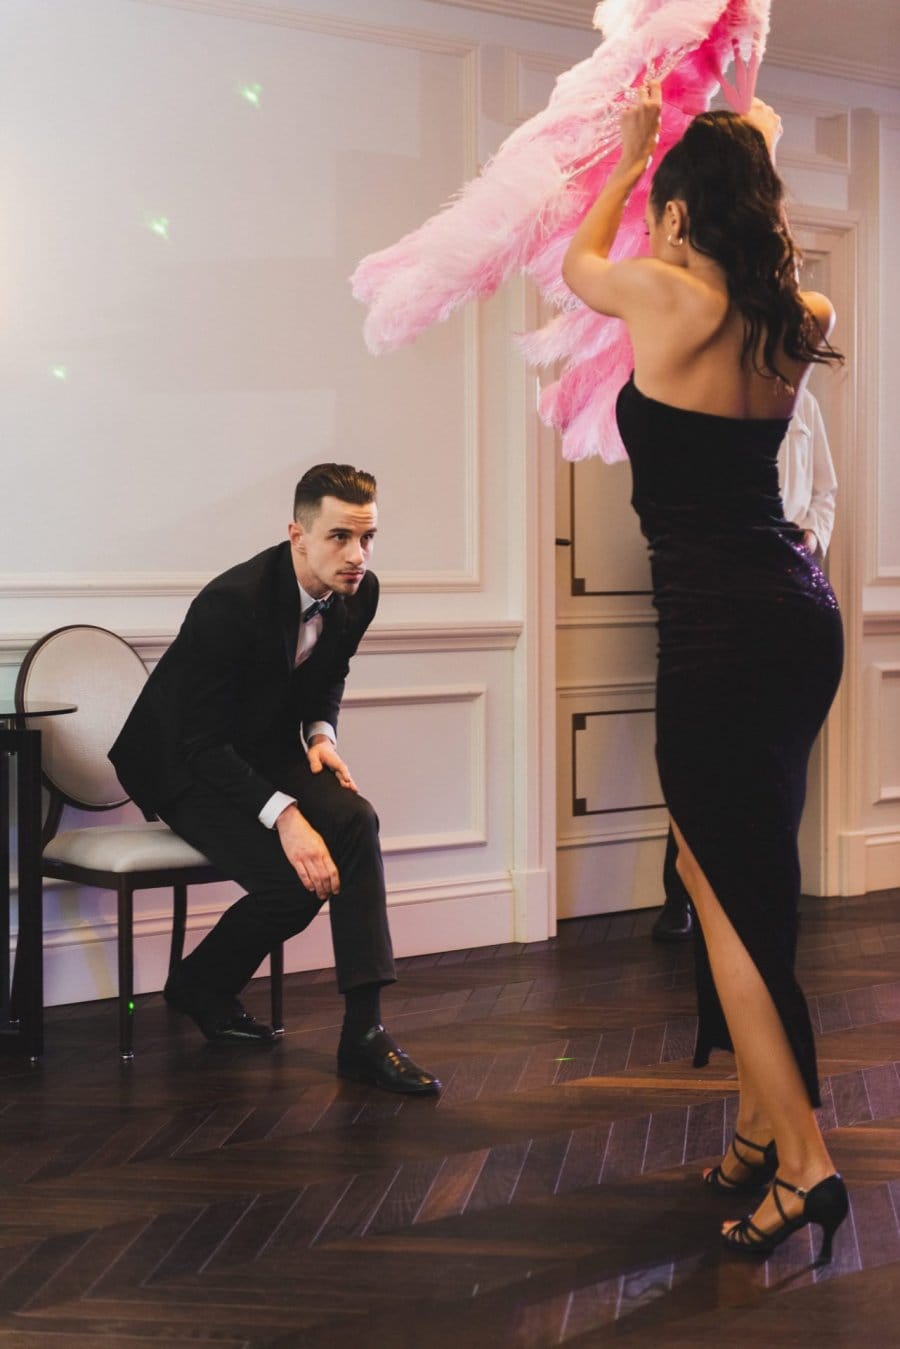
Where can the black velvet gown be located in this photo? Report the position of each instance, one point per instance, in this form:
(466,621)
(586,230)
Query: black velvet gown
(750,655)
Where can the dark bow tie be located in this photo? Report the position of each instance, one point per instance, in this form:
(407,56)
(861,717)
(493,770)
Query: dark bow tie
(318,607)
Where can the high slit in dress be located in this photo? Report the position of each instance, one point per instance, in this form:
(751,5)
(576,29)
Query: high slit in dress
(750,656)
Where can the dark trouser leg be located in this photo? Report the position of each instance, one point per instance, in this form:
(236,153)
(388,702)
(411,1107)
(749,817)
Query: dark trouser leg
(675,922)
(672,882)
(277,906)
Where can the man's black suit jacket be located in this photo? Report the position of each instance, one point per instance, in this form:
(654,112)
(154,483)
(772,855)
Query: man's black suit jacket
(225,705)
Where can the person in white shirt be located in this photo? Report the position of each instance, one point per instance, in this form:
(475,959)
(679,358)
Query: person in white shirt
(808,491)
(807,477)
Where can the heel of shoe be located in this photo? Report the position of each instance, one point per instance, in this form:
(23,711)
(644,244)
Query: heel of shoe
(827,1205)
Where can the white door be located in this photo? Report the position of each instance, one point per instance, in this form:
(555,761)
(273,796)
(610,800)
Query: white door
(611,819)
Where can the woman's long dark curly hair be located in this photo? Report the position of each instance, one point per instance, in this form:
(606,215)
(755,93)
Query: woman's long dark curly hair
(722,171)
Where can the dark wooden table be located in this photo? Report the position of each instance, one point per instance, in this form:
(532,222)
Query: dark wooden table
(22,987)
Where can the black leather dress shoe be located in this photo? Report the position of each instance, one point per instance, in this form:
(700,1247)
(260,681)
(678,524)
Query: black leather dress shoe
(228,1024)
(239,1029)
(675,921)
(379,1060)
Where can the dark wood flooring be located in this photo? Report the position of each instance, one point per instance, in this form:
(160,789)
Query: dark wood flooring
(249,1198)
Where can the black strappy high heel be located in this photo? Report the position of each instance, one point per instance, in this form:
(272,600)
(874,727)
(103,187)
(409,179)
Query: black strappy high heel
(760,1172)
(825,1204)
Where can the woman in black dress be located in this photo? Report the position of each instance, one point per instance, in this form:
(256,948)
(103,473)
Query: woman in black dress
(750,645)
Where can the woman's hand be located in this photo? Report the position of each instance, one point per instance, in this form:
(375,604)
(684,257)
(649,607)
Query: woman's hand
(639,125)
(767,122)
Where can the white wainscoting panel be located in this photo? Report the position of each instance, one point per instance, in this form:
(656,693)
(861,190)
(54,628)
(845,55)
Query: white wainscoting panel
(413,744)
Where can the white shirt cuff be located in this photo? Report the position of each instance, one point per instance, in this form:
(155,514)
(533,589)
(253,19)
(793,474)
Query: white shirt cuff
(276,803)
(320,728)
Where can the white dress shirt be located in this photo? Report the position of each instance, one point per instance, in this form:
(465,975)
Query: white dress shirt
(309,634)
(806,472)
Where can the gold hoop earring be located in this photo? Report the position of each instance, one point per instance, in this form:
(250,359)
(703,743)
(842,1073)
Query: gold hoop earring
(676,243)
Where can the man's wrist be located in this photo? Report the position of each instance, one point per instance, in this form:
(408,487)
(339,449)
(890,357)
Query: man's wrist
(277,802)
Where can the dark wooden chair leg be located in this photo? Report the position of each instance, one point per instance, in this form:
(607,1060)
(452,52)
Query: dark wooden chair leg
(179,925)
(276,972)
(126,969)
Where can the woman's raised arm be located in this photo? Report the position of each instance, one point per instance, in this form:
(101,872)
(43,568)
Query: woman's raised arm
(587,271)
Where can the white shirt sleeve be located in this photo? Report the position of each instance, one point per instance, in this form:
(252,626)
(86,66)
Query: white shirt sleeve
(820,512)
(808,481)
(276,803)
(319,728)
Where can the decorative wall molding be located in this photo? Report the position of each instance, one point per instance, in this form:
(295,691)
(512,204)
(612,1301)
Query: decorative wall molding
(869,860)
(100,585)
(579,13)
(606,689)
(517,66)
(502,635)
(329,25)
(881,623)
(637,833)
(798,59)
(831,135)
(440,696)
(609,618)
(387,640)
(884,674)
(115,585)
(575,14)
(565,13)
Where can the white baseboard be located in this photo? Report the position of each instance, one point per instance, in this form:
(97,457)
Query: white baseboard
(445,915)
(869,859)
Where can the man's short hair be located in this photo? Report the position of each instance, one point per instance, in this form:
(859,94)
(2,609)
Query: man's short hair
(343,481)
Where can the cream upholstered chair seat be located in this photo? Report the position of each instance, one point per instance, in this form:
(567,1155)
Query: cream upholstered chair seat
(121,848)
(99,672)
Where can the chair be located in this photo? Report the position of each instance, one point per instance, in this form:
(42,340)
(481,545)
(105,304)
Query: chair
(103,675)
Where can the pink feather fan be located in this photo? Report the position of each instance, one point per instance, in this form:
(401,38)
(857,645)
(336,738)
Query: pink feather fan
(519,214)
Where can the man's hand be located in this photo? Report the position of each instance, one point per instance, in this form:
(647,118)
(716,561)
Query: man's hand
(322,754)
(810,542)
(306,851)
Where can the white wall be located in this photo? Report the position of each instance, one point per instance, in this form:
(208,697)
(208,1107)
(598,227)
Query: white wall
(207,365)
(204,371)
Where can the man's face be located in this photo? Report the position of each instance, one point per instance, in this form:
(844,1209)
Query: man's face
(332,551)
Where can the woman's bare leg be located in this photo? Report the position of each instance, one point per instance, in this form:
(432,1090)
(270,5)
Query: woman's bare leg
(772,1090)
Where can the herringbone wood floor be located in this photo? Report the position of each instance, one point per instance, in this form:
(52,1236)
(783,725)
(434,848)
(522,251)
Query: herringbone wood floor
(249,1198)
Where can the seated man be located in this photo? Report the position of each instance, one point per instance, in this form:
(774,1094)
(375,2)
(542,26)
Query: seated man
(233,743)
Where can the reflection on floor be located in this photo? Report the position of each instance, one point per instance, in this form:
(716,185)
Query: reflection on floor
(551,1196)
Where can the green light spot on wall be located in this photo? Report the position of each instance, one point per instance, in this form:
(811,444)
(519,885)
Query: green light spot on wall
(160,226)
(59,372)
(251,93)
(131,1004)
(570,1059)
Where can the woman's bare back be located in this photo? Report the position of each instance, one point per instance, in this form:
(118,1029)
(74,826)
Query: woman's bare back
(688,352)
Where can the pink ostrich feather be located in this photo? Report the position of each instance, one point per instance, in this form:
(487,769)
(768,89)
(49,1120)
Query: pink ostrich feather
(519,214)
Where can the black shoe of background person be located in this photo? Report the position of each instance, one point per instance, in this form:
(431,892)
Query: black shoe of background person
(225,1023)
(379,1060)
(675,921)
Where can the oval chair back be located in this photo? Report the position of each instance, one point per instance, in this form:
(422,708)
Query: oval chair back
(98,670)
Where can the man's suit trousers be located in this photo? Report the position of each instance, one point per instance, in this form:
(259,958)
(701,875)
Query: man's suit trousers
(277,906)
